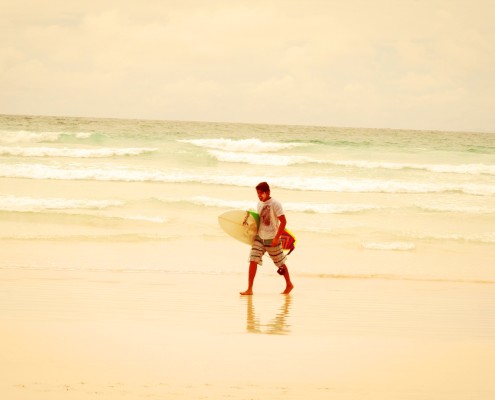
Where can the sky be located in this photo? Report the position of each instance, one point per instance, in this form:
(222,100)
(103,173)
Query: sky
(399,64)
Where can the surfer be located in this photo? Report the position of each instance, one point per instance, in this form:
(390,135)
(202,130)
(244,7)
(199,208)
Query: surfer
(272,224)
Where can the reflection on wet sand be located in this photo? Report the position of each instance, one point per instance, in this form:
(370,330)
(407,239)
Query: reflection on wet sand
(277,325)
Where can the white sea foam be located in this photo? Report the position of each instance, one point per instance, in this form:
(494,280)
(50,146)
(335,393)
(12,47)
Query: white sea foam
(394,246)
(470,169)
(221,203)
(12,137)
(329,208)
(124,237)
(73,152)
(288,206)
(350,185)
(107,172)
(258,158)
(317,229)
(455,208)
(484,238)
(245,145)
(284,160)
(156,220)
(30,204)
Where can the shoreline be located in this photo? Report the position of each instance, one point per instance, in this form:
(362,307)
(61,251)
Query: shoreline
(314,257)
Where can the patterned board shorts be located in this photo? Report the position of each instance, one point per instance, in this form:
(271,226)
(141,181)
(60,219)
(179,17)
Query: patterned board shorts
(259,248)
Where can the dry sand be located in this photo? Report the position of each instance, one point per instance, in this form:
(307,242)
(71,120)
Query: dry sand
(115,335)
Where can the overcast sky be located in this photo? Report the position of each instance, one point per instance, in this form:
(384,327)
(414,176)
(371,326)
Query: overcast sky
(354,63)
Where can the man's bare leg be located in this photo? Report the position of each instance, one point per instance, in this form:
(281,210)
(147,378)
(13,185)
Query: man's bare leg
(253,267)
(288,284)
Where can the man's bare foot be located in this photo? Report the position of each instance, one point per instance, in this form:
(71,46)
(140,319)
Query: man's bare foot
(288,289)
(247,293)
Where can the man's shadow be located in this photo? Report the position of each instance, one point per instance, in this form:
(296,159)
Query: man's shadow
(277,326)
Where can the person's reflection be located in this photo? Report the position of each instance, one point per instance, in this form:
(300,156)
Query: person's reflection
(277,326)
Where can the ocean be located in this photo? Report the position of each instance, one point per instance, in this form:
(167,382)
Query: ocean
(137,196)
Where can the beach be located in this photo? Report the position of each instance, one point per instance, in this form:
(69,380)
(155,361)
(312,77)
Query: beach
(116,280)
(81,335)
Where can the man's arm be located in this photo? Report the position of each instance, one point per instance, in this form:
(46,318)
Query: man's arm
(281,227)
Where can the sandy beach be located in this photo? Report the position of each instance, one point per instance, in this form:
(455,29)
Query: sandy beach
(72,334)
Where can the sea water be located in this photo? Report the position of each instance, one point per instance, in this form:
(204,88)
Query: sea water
(141,186)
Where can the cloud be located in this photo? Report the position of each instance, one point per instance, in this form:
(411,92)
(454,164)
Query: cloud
(421,65)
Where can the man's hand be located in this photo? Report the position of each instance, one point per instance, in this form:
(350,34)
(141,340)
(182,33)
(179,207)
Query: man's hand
(276,241)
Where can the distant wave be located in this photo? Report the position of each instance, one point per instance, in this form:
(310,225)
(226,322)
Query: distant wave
(288,206)
(483,238)
(106,172)
(473,169)
(329,208)
(17,203)
(400,241)
(404,241)
(246,145)
(155,220)
(123,237)
(64,208)
(12,137)
(351,185)
(216,202)
(456,208)
(263,157)
(285,160)
(72,152)
(259,158)
(394,246)
(397,277)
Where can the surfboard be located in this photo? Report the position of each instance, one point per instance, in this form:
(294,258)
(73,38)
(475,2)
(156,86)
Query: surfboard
(243,226)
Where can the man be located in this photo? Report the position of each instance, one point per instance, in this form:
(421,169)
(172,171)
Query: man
(272,225)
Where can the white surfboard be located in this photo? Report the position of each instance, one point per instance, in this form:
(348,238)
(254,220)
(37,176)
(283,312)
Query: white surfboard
(241,225)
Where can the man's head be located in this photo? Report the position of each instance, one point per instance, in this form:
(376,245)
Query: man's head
(263,186)
(263,190)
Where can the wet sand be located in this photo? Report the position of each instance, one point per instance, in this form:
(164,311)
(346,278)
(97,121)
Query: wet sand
(102,334)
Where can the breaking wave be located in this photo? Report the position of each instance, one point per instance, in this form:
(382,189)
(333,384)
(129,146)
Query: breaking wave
(107,172)
(23,137)
(72,152)
(246,145)
(26,203)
